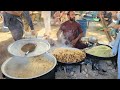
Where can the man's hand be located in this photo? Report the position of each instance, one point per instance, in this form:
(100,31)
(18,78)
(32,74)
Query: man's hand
(74,42)
(34,32)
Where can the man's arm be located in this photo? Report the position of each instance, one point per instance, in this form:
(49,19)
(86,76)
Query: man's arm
(79,36)
(26,14)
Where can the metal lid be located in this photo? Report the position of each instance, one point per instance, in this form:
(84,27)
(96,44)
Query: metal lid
(42,47)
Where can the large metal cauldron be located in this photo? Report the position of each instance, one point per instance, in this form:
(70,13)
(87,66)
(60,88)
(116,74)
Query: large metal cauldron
(76,63)
(101,58)
(50,74)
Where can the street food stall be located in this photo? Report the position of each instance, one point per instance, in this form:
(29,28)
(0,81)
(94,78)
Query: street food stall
(43,61)
(41,58)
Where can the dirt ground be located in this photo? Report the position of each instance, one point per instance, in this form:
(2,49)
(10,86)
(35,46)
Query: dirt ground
(6,40)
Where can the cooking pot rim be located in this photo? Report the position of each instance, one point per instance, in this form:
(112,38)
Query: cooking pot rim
(4,64)
(45,41)
(90,55)
(71,48)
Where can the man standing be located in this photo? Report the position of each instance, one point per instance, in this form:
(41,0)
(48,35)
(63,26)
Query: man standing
(14,22)
(116,51)
(72,31)
(4,28)
(46,15)
(27,20)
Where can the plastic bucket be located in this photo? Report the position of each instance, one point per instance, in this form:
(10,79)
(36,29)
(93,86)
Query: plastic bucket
(83,24)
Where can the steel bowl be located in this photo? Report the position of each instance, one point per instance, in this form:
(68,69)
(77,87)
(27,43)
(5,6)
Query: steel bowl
(93,39)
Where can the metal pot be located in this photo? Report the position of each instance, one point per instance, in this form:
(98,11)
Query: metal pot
(93,39)
(76,63)
(50,74)
(100,58)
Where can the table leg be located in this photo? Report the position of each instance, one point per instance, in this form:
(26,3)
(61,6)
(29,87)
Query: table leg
(65,70)
(93,67)
(114,62)
(80,68)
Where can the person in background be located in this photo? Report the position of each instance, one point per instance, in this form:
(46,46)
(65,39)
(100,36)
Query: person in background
(72,31)
(28,20)
(115,19)
(4,28)
(116,51)
(56,17)
(46,15)
(14,22)
(118,16)
(63,16)
(114,26)
(108,15)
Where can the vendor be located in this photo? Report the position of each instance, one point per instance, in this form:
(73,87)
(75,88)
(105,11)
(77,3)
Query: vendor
(72,31)
(14,23)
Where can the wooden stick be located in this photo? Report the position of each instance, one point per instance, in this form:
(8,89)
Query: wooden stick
(106,28)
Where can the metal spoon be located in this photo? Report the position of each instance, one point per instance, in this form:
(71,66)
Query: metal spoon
(26,53)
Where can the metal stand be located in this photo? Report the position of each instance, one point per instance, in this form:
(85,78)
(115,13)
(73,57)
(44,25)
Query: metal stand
(65,65)
(96,66)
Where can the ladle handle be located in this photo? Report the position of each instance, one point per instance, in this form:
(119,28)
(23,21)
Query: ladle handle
(27,53)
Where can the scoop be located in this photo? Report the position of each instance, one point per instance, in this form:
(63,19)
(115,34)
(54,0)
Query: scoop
(27,48)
